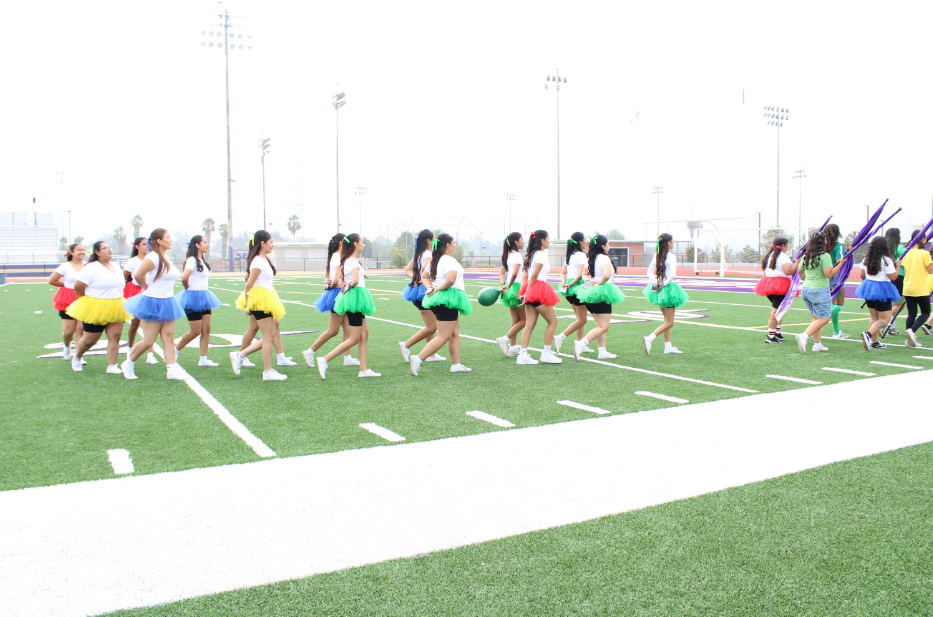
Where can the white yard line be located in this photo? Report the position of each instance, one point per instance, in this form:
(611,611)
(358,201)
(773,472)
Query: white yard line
(924,357)
(664,397)
(380,431)
(795,379)
(919,368)
(596,410)
(120,461)
(848,371)
(485,417)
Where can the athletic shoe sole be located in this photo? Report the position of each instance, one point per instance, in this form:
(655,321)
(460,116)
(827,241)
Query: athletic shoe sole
(866,341)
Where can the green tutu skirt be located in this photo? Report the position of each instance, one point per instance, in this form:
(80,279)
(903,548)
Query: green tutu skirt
(510,297)
(607,293)
(357,300)
(573,290)
(671,295)
(451,298)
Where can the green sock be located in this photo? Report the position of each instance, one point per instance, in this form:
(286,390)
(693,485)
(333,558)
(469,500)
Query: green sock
(835,317)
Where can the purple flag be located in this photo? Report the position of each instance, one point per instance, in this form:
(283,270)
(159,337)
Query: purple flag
(860,238)
(794,282)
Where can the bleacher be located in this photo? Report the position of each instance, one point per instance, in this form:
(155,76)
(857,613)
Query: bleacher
(28,243)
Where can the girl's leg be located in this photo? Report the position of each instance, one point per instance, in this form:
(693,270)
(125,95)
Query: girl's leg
(836,309)
(815,329)
(250,335)
(86,342)
(518,324)
(879,320)
(114,332)
(276,337)
(333,329)
(445,332)
(69,326)
(531,319)
(194,331)
(426,333)
(150,333)
(772,321)
(599,332)
(579,324)
(353,338)
(345,324)
(551,319)
(131,335)
(911,311)
(168,342)
(266,327)
(205,334)
(361,349)
(664,328)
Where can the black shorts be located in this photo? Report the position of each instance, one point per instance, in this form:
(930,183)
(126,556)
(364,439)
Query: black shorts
(899,283)
(776,300)
(419,305)
(534,304)
(93,328)
(65,315)
(599,308)
(445,313)
(881,307)
(260,315)
(573,300)
(355,319)
(198,315)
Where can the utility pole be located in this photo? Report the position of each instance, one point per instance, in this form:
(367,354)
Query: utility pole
(61,203)
(510,197)
(338,102)
(555,82)
(657,191)
(777,117)
(264,146)
(360,191)
(800,175)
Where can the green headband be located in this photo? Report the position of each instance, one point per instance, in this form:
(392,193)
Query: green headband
(594,240)
(346,239)
(434,244)
(657,245)
(574,241)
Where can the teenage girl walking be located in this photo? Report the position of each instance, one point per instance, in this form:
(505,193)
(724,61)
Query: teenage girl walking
(836,251)
(816,271)
(139,252)
(778,270)
(512,276)
(572,276)
(446,298)
(99,306)
(414,292)
(599,297)
(663,292)
(878,271)
(355,302)
(156,307)
(196,299)
(917,267)
(539,299)
(896,250)
(64,278)
(325,305)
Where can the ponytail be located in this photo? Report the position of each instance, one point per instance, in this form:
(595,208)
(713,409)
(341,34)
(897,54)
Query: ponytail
(421,244)
(596,248)
(346,249)
(534,245)
(193,252)
(574,244)
(440,247)
(769,261)
(254,245)
(334,246)
(136,244)
(508,245)
(154,237)
(662,249)
(815,248)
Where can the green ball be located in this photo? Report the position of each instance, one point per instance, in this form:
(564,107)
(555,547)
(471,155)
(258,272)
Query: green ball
(488,296)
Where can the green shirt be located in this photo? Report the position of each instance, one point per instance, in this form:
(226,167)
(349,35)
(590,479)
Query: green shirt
(838,252)
(815,279)
(898,254)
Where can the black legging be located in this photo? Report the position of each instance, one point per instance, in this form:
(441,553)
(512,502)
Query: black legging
(913,302)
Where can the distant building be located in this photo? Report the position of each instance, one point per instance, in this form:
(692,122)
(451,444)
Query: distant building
(29,238)
(299,256)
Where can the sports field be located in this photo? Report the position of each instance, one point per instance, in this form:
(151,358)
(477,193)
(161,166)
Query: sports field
(809,494)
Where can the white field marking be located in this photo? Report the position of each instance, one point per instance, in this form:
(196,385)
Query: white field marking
(918,368)
(663,397)
(221,412)
(385,433)
(601,412)
(924,357)
(485,417)
(795,379)
(847,371)
(120,461)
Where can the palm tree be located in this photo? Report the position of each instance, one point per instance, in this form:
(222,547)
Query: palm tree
(119,236)
(294,225)
(137,223)
(79,240)
(223,239)
(207,226)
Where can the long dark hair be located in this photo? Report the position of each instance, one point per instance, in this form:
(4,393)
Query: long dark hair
(442,241)
(193,252)
(815,248)
(877,250)
(508,245)
(596,248)
(832,234)
(156,235)
(94,250)
(421,245)
(349,244)
(71,251)
(574,244)
(921,243)
(660,265)
(534,245)
(258,238)
(773,253)
(136,242)
(893,238)
(334,246)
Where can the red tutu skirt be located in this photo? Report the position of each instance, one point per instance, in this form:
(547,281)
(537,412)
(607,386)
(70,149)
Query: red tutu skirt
(131,289)
(539,292)
(772,286)
(63,298)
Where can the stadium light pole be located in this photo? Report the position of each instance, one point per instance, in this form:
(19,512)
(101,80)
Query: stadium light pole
(657,191)
(777,116)
(759,234)
(799,175)
(61,201)
(338,102)
(69,228)
(510,197)
(360,191)
(264,147)
(227,45)
(554,83)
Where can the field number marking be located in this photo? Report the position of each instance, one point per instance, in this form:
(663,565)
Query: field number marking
(663,397)
(601,412)
(485,417)
(385,433)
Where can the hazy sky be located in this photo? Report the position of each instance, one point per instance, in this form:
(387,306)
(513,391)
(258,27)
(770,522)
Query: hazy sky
(447,112)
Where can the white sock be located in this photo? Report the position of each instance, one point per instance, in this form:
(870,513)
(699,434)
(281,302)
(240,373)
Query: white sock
(168,366)
(601,349)
(280,357)
(203,358)
(651,337)
(668,345)
(150,355)
(513,348)
(239,355)
(547,349)
(523,351)
(129,363)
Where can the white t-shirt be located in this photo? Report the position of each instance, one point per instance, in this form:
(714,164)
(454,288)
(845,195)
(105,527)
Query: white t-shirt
(69,274)
(514,258)
(425,266)
(165,286)
(334,264)
(540,258)
(351,264)
(887,267)
(778,271)
(448,264)
(101,282)
(578,259)
(670,269)
(603,260)
(131,264)
(197,280)
(265,271)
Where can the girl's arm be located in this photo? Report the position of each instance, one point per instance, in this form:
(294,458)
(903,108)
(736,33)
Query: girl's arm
(502,273)
(606,273)
(831,272)
(790,268)
(449,279)
(355,277)
(184,277)
(862,274)
(127,276)
(533,277)
(79,288)
(563,275)
(512,276)
(250,281)
(56,280)
(410,268)
(584,274)
(140,275)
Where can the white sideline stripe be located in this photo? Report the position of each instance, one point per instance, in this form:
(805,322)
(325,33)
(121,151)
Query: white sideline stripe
(584,407)
(924,357)
(795,379)
(847,371)
(221,412)
(663,397)
(485,417)
(120,461)
(385,433)
(918,368)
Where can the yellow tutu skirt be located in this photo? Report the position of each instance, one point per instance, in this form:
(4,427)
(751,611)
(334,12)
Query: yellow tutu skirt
(262,299)
(98,311)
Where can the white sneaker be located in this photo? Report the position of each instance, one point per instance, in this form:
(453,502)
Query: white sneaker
(113,369)
(841,335)
(558,339)
(206,362)
(525,359)
(548,357)
(436,358)
(286,362)
(151,359)
(176,373)
(578,349)
(83,362)
(503,342)
(76,364)
(245,363)
(237,361)
(273,375)
(309,357)
(350,361)
(66,353)
(911,338)
(820,347)
(406,352)
(513,353)
(802,341)
(459,368)
(605,355)
(369,373)
(647,345)
(415,364)
(128,371)
(672,350)
(322,367)
(587,350)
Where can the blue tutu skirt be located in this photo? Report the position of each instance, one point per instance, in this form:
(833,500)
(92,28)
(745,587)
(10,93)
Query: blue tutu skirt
(325,302)
(146,308)
(198,300)
(878,291)
(414,294)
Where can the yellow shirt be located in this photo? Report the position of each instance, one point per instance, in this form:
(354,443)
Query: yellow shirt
(915,272)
